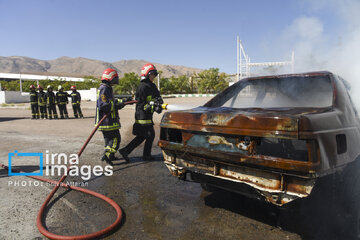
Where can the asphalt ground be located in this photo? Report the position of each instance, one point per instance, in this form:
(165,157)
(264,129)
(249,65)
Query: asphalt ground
(156,205)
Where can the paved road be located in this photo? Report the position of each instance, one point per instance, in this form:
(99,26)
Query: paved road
(156,205)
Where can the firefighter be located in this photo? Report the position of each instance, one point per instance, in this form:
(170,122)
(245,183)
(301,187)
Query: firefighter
(51,102)
(107,105)
(76,100)
(34,103)
(147,95)
(42,102)
(62,100)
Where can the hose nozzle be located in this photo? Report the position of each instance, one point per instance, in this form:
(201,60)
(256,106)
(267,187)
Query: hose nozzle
(164,106)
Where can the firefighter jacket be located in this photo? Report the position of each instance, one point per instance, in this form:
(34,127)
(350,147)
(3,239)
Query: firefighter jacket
(50,98)
(145,93)
(106,104)
(75,97)
(42,98)
(33,97)
(62,97)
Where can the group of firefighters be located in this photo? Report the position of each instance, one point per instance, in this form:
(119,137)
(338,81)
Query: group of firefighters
(148,101)
(43,104)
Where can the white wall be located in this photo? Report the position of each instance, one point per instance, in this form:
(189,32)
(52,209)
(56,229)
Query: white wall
(87,95)
(2,97)
(14,97)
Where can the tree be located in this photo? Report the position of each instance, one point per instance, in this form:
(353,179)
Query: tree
(127,84)
(165,86)
(210,81)
(180,84)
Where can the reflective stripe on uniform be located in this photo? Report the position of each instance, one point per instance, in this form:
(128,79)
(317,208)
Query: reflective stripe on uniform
(143,121)
(112,109)
(110,149)
(115,126)
(113,148)
(114,145)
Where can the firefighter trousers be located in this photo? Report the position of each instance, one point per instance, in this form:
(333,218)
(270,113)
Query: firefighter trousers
(77,110)
(35,111)
(43,112)
(146,133)
(63,111)
(51,111)
(112,143)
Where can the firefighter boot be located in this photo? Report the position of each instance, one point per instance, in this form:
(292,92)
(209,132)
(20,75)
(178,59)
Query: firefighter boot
(124,154)
(106,158)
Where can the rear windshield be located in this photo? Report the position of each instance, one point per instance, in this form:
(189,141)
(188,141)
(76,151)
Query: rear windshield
(298,91)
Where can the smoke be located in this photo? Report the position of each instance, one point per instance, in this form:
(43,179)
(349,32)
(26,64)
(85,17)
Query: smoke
(320,47)
(305,36)
(173,107)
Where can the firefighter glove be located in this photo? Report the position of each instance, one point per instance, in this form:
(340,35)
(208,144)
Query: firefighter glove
(119,103)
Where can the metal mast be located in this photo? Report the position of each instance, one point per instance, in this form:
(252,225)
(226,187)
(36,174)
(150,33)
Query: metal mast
(244,65)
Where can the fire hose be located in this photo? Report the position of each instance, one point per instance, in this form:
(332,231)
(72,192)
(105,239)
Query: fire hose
(40,216)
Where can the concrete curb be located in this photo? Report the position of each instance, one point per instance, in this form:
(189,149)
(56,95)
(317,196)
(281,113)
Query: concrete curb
(189,95)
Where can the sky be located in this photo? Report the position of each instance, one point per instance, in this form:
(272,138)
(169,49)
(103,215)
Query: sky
(196,33)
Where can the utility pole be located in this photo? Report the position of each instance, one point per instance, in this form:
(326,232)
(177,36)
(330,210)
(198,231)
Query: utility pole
(20,84)
(158,78)
(237,59)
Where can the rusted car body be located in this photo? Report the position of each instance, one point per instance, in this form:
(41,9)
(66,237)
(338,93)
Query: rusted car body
(270,137)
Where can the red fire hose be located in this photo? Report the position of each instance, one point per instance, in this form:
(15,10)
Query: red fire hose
(40,216)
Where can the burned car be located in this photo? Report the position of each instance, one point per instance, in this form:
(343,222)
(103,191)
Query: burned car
(274,138)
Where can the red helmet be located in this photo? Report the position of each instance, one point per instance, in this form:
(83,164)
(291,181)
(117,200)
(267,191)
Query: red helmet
(147,68)
(73,87)
(110,75)
(39,87)
(32,86)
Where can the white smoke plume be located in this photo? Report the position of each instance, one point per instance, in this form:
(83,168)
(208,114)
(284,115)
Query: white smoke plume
(316,48)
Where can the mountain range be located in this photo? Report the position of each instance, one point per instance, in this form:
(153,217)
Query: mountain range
(67,66)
